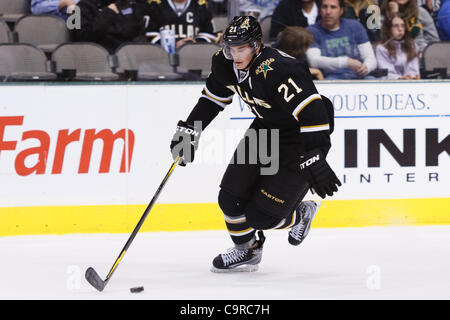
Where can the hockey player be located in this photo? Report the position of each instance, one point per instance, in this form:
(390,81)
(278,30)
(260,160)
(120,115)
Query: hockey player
(191,20)
(280,92)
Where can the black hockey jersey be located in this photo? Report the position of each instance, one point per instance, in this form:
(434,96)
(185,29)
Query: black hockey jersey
(192,20)
(277,88)
(279,91)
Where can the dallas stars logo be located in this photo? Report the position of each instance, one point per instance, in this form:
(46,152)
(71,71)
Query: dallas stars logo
(246,24)
(265,67)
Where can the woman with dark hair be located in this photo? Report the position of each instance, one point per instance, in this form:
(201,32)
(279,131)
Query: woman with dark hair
(295,41)
(360,10)
(418,21)
(397,53)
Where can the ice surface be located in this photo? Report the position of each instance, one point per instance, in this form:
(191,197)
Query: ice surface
(345,263)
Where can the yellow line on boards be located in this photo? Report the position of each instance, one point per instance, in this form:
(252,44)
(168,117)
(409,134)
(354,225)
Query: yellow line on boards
(208,216)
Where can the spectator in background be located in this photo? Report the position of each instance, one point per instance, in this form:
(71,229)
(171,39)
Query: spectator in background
(295,41)
(300,13)
(359,10)
(54,7)
(418,21)
(443,21)
(265,7)
(397,51)
(191,20)
(432,6)
(341,48)
(111,23)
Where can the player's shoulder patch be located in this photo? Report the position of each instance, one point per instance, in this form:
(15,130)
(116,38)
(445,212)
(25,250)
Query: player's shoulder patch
(274,67)
(264,67)
(154,1)
(273,63)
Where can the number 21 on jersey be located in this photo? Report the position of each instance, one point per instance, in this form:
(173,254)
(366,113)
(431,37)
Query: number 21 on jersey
(287,91)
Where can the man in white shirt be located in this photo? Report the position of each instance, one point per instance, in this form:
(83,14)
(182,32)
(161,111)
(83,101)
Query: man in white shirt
(341,47)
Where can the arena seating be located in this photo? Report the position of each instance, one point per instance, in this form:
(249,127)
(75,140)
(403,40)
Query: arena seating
(44,31)
(265,26)
(23,62)
(198,56)
(90,61)
(220,23)
(436,59)
(13,10)
(131,55)
(5,32)
(49,35)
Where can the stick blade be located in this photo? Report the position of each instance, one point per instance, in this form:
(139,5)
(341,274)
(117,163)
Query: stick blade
(94,279)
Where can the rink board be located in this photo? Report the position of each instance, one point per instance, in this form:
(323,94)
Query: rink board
(86,158)
(194,217)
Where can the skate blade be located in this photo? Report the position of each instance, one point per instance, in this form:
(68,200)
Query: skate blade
(242,268)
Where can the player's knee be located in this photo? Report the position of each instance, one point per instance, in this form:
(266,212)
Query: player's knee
(230,204)
(259,220)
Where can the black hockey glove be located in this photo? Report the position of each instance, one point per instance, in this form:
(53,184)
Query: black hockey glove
(185,142)
(322,179)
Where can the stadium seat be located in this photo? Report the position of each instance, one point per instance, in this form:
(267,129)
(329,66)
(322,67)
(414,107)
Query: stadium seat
(436,56)
(90,61)
(23,62)
(197,56)
(44,31)
(131,55)
(220,23)
(5,33)
(265,26)
(13,10)
(155,71)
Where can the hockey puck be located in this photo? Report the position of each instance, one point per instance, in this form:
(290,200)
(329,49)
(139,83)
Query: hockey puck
(136,289)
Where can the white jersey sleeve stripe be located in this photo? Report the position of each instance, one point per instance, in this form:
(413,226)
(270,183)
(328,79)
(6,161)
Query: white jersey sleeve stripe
(220,104)
(234,220)
(221,99)
(304,103)
(241,233)
(320,127)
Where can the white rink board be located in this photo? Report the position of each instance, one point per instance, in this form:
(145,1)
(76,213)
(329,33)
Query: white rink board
(151,112)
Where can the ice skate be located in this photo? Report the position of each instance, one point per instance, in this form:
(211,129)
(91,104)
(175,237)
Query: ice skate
(240,259)
(307,210)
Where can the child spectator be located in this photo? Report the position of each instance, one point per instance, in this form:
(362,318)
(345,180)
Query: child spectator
(397,53)
(418,21)
(295,41)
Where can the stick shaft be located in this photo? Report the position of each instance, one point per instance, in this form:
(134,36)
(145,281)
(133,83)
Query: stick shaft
(141,221)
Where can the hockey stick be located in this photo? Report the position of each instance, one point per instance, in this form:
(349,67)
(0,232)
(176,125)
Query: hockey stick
(91,275)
